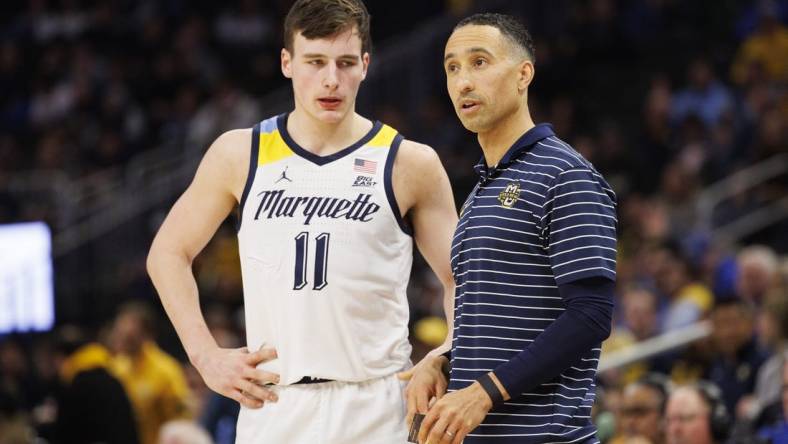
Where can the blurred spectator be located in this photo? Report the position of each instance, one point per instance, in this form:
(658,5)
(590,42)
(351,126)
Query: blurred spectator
(219,417)
(218,270)
(692,363)
(678,187)
(244,26)
(777,432)
(14,423)
(689,299)
(640,312)
(183,432)
(696,415)
(761,56)
(737,357)
(639,305)
(93,405)
(642,410)
(757,272)
(773,334)
(16,376)
(228,108)
(153,379)
(705,96)
(607,407)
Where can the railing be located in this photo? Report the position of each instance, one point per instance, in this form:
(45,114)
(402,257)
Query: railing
(746,179)
(655,346)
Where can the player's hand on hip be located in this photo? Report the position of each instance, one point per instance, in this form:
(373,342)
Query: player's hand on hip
(233,373)
(455,415)
(425,381)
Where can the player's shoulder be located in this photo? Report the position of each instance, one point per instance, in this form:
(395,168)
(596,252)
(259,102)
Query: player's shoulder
(233,140)
(416,155)
(232,147)
(418,168)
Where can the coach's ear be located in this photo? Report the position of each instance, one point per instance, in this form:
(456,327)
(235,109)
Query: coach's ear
(287,68)
(525,73)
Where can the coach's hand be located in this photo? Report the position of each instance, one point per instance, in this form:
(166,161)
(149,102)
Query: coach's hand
(232,372)
(455,415)
(425,381)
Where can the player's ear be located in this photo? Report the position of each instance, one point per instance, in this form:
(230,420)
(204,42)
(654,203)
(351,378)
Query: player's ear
(287,63)
(364,65)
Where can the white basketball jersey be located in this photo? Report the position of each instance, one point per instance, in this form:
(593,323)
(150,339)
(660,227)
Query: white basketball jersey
(325,257)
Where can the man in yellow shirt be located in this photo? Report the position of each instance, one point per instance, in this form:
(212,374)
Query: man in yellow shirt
(764,52)
(154,380)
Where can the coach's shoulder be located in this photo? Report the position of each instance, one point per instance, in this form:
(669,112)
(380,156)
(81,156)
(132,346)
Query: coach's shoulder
(557,155)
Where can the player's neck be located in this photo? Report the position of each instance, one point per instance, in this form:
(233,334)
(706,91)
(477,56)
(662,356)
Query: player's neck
(497,141)
(323,138)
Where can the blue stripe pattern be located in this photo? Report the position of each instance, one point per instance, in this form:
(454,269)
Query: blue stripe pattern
(543,217)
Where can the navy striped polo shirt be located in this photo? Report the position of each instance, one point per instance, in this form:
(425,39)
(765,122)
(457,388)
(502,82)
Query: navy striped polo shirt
(541,218)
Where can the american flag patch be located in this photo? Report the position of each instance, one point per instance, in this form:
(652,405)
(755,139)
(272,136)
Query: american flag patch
(365,166)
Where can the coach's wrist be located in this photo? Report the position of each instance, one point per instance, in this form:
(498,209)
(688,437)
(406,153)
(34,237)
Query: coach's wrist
(493,388)
(479,393)
(500,386)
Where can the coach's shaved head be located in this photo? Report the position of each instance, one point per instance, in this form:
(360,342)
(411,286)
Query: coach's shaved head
(509,26)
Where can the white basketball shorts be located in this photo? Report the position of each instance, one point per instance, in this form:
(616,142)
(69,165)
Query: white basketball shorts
(369,412)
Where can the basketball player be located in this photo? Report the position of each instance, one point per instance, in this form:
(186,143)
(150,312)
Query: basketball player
(330,203)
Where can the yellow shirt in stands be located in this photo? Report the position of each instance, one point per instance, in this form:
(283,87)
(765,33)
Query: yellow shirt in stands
(156,385)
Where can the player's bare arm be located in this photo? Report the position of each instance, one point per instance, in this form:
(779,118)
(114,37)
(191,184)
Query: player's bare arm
(424,194)
(425,198)
(191,223)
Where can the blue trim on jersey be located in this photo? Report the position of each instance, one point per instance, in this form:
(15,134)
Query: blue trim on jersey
(250,174)
(387,182)
(281,122)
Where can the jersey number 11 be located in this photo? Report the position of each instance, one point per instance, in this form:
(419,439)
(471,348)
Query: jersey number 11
(321,260)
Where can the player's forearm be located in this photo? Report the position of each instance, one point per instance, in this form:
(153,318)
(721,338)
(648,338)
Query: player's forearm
(448,309)
(172,276)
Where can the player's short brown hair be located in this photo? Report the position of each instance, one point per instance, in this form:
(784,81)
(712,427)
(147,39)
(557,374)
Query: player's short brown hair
(316,19)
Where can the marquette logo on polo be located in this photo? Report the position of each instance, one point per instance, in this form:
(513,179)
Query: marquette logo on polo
(509,195)
(274,204)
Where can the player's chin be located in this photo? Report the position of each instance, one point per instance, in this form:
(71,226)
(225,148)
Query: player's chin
(331,116)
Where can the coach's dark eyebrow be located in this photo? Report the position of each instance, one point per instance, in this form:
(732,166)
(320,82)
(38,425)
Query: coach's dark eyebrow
(468,51)
(479,49)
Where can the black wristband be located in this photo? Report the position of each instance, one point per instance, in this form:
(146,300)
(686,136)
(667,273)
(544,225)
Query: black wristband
(492,390)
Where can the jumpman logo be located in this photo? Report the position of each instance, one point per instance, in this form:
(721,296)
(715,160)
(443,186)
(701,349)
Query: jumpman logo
(283,176)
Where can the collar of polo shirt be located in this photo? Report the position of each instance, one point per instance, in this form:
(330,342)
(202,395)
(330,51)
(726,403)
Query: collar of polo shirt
(533,135)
